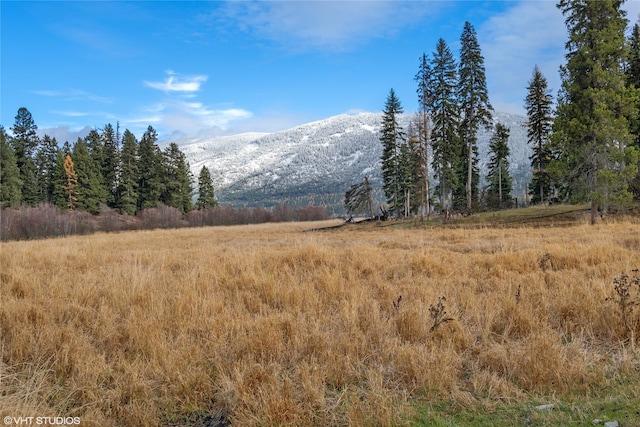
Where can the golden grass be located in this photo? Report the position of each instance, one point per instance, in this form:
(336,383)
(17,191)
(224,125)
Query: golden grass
(267,325)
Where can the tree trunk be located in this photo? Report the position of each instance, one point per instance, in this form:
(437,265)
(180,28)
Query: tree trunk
(594,213)
(540,182)
(425,135)
(368,186)
(407,203)
(500,182)
(469,175)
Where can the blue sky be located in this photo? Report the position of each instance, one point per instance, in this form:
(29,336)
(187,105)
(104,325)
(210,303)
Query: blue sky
(204,68)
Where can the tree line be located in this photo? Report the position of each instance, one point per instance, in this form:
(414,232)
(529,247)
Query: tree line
(109,181)
(585,150)
(105,169)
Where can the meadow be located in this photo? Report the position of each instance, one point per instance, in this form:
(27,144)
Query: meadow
(365,325)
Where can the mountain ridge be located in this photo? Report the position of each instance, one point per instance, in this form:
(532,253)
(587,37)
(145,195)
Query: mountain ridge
(316,162)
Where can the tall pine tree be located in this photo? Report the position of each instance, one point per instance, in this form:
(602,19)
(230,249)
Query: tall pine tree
(150,170)
(445,116)
(90,192)
(25,142)
(422,137)
(46,158)
(538,104)
(392,137)
(95,145)
(633,81)
(475,108)
(206,198)
(177,179)
(633,63)
(499,192)
(127,193)
(408,177)
(591,128)
(60,180)
(110,167)
(10,184)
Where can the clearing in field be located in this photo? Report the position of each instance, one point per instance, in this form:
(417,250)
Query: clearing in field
(271,325)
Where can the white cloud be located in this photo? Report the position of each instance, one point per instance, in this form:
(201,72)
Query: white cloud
(71,113)
(145,119)
(176,116)
(269,121)
(326,24)
(73,95)
(177,83)
(180,113)
(64,133)
(527,34)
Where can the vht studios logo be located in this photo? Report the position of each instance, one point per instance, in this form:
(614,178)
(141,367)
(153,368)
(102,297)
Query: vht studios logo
(41,421)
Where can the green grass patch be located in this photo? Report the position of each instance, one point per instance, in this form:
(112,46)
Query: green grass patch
(619,402)
(537,215)
(533,216)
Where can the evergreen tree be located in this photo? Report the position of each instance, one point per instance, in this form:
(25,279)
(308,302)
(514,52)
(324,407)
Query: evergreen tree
(499,192)
(110,167)
(94,142)
(444,137)
(633,64)
(150,181)
(408,162)
(46,158)
(95,145)
(60,180)
(538,104)
(206,197)
(25,141)
(30,195)
(417,164)
(422,138)
(128,185)
(90,192)
(177,179)
(474,107)
(633,81)
(10,184)
(66,148)
(71,186)
(392,137)
(591,129)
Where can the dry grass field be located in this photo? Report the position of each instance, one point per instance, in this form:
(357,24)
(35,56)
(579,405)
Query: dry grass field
(269,325)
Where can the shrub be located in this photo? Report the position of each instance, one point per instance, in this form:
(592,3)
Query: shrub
(47,220)
(161,217)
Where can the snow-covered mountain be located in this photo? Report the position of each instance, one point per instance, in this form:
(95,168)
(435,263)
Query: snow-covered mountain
(317,162)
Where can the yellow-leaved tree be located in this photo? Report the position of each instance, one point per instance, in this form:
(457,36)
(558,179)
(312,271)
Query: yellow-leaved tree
(71,188)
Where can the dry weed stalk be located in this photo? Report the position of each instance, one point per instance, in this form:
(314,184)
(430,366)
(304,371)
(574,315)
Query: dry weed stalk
(438,314)
(396,303)
(544,262)
(623,286)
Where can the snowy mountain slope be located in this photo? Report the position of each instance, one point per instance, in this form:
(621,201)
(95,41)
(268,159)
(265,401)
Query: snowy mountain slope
(315,162)
(231,150)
